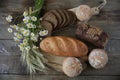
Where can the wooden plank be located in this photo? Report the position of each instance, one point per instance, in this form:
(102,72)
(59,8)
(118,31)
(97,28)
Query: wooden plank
(14,7)
(13,77)
(108,19)
(113,47)
(9,47)
(112,28)
(10,59)
(58,4)
(12,65)
(4,34)
(56,77)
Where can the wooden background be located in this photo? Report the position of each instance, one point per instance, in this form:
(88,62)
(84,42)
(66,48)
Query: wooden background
(109,19)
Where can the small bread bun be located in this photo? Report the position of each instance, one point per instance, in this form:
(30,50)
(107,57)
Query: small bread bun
(83,13)
(72,66)
(98,58)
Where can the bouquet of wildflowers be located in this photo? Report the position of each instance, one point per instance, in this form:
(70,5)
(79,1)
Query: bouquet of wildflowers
(27,33)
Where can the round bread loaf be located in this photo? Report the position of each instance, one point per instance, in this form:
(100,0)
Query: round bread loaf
(72,67)
(98,58)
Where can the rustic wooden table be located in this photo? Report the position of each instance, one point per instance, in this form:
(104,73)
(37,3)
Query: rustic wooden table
(109,19)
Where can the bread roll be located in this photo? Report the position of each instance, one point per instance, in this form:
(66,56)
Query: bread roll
(98,58)
(72,66)
(94,35)
(64,46)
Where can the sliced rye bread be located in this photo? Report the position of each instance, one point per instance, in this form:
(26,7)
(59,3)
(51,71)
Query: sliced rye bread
(74,18)
(63,18)
(50,16)
(58,16)
(68,17)
(63,25)
(48,26)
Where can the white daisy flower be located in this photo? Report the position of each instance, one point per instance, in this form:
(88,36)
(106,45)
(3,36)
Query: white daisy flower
(26,19)
(25,41)
(21,46)
(33,18)
(43,32)
(16,34)
(32,34)
(30,25)
(16,39)
(14,27)
(9,18)
(34,39)
(22,30)
(19,36)
(25,13)
(10,30)
(26,32)
(34,26)
(27,48)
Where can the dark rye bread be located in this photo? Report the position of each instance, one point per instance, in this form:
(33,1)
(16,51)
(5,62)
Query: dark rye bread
(63,17)
(72,17)
(48,26)
(94,35)
(50,16)
(58,16)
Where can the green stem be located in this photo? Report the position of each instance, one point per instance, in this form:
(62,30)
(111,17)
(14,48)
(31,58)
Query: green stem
(37,7)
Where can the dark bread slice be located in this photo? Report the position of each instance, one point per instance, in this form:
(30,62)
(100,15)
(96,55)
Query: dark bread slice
(68,17)
(50,16)
(58,16)
(63,18)
(48,26)
(63,25)
(74,18)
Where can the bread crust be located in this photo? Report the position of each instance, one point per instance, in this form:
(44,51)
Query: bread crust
(50,16)
(64,46)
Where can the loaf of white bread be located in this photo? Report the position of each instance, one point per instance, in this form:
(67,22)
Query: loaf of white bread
(64,46)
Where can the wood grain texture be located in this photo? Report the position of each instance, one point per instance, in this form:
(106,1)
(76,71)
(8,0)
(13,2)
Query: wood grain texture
(8,64)
(12,65)
(108,19)
(112,28)
(9,47)
(56,77)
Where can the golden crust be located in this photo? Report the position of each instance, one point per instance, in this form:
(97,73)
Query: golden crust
(64,46)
